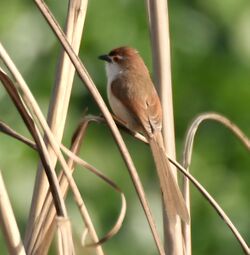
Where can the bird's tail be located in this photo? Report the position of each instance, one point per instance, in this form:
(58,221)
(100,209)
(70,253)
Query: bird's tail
(173,199)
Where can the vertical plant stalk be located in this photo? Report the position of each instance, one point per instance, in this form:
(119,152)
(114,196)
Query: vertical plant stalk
(63,225)
(58,105)
(159,29)
(8,223)
(186,228)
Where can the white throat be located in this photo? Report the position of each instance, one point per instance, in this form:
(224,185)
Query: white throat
(112,71)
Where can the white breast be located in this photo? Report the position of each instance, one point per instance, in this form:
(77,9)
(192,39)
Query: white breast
(113,70)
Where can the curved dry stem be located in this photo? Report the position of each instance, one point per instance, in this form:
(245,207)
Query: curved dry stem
(83,74)
(9,131)
(187,155)
(87,220)
(116,227)
(188,147)
(81,205)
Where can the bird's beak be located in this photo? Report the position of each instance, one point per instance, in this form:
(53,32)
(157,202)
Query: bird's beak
(105,58)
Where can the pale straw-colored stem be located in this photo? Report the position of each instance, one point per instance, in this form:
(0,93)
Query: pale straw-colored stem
(8,223)
(48,210)
(31,103)
(160,38)
(58,108)
(41,148)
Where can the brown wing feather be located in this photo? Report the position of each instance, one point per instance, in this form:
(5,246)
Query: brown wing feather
(144,106)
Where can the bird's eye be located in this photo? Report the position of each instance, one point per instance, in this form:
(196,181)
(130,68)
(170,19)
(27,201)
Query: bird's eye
(115,59)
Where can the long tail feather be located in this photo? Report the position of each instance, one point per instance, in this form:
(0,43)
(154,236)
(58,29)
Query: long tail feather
(173,198)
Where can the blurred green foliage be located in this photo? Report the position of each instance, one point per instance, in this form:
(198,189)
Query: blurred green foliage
(210,47)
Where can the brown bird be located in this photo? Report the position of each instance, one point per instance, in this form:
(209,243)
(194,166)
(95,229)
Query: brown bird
(134,100)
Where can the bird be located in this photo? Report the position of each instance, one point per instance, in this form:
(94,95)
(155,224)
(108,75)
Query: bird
(134,100)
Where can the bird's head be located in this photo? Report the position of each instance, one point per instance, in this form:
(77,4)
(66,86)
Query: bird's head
(122,59)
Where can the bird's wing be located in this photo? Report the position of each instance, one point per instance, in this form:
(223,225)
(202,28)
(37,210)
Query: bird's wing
(144,106)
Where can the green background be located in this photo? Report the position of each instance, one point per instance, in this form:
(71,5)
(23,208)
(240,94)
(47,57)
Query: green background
(210,48)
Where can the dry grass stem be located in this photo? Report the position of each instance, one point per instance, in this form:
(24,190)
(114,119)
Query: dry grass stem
(97,97)
(8,223)
(58,105)
(9,131)
(65,242)
(41,148)
(189,140)
(54,186)
(74,158)
(33,106)
(49,213)
(187,156)
(160,38)
(37,230)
